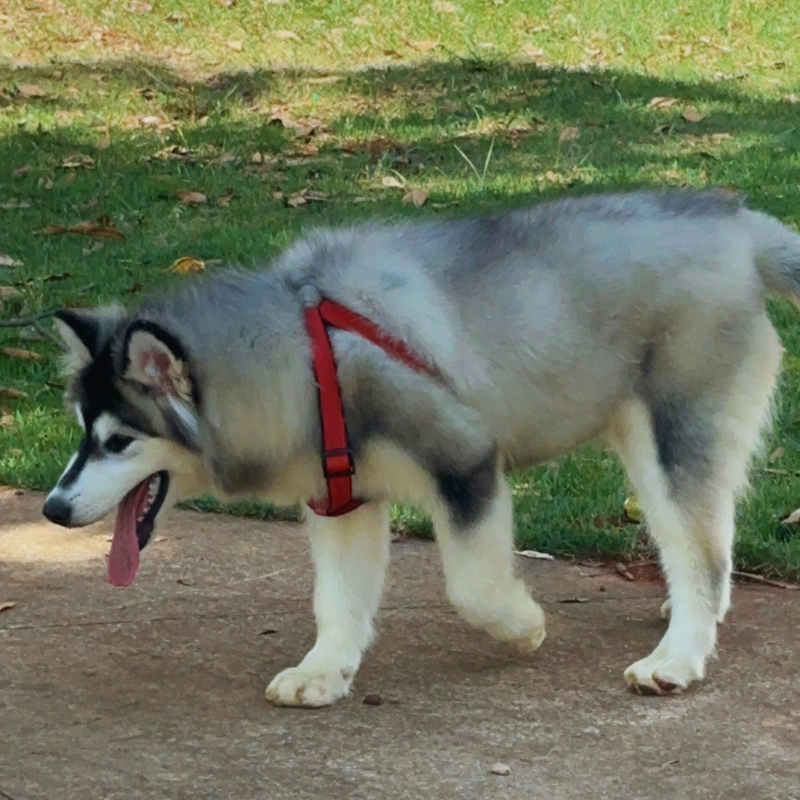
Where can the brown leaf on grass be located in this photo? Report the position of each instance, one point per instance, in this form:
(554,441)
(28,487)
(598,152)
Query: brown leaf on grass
(7,606)
(305,197)
(553,177)
(225,198)
(531,51)
(139,7)
(425,46)
(104,143)
(14,203)
(672,175)
(7,261)
(569,134)
(10,393)
(19,171)
(662,102)
(101,228)
(445,7)
(416,196)
(6,421)
(151,121)
(287,36)
(78,161)
(390,182)
(692,115)
(277,195)
(8,292)
(190,198)
(31,90)
(235,44)
(186,265)
(25,355)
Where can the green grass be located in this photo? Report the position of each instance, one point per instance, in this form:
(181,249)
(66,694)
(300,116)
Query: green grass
(476,102)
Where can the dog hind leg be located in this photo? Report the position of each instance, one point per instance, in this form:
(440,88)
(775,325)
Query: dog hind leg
(477,554)
(350,556)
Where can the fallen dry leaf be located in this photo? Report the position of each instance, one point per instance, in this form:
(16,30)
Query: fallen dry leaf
(6,421)
(31,90)
(25,355)
(662,102)
(104,143)
(673,175)
(187,265)
(532,51)
(623,570)
(225,198)
(500,769)
(7,261)
(190,198)
(445,7)
(139,7)
(10,393)
(553,177)
(78,161)
(151,121)
(424,46)
(416,196)
(92,248)
(19,171)
(535,554)
(393,183)
(569,134)
(7,606)
(14,203)
(692,115)
(186,581)
(8,292)
(235,44)
(101,228)
(304,197)
(287,35)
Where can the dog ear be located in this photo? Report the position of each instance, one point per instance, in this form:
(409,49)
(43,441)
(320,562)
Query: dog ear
(82,331)
(154,358)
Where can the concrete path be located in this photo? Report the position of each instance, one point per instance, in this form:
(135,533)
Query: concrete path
(157,691)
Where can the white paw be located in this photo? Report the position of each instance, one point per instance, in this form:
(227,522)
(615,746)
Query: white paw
(666,609)
(661,673)
(309,688)
(522,625)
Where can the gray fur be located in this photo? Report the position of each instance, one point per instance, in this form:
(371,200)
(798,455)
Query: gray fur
(542,322)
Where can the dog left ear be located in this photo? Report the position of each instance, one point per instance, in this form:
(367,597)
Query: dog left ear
(155,359)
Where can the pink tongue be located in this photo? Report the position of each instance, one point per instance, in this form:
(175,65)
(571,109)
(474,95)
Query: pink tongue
(124,558)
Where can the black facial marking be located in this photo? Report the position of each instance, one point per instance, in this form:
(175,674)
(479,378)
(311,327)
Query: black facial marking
(88,448)
(468,493)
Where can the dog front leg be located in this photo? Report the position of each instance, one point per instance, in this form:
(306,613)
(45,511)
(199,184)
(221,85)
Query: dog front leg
(350,556)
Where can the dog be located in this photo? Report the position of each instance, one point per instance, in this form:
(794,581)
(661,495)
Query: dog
(639,318)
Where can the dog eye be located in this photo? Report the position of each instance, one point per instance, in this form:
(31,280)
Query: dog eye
(117,443)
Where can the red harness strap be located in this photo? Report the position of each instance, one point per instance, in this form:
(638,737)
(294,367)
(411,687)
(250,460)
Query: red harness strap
(338,465)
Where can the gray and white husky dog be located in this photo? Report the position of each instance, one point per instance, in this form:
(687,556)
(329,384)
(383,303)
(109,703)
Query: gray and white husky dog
(636,317)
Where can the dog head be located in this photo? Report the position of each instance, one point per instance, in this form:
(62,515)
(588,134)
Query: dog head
(132,390)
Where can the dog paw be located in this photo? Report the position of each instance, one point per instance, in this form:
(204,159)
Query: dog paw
(304,688)
(662,674)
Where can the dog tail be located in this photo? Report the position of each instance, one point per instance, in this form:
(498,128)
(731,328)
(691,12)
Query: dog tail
(777,255)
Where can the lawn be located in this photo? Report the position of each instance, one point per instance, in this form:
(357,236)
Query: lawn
(218,130)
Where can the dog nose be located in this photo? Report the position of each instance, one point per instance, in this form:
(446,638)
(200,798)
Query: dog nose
(57,510)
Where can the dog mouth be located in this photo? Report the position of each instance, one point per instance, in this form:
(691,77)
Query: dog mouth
(136,516)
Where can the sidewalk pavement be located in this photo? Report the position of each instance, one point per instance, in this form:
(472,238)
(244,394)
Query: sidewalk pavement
(156,692)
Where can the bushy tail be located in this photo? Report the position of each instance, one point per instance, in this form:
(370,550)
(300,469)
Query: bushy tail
(777,255)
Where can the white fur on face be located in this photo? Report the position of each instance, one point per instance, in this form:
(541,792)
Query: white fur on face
(107,477)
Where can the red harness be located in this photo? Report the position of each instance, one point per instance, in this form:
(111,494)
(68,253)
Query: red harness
(338,465)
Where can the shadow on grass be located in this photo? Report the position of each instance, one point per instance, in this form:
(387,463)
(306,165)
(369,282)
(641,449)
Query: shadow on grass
(476,135)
